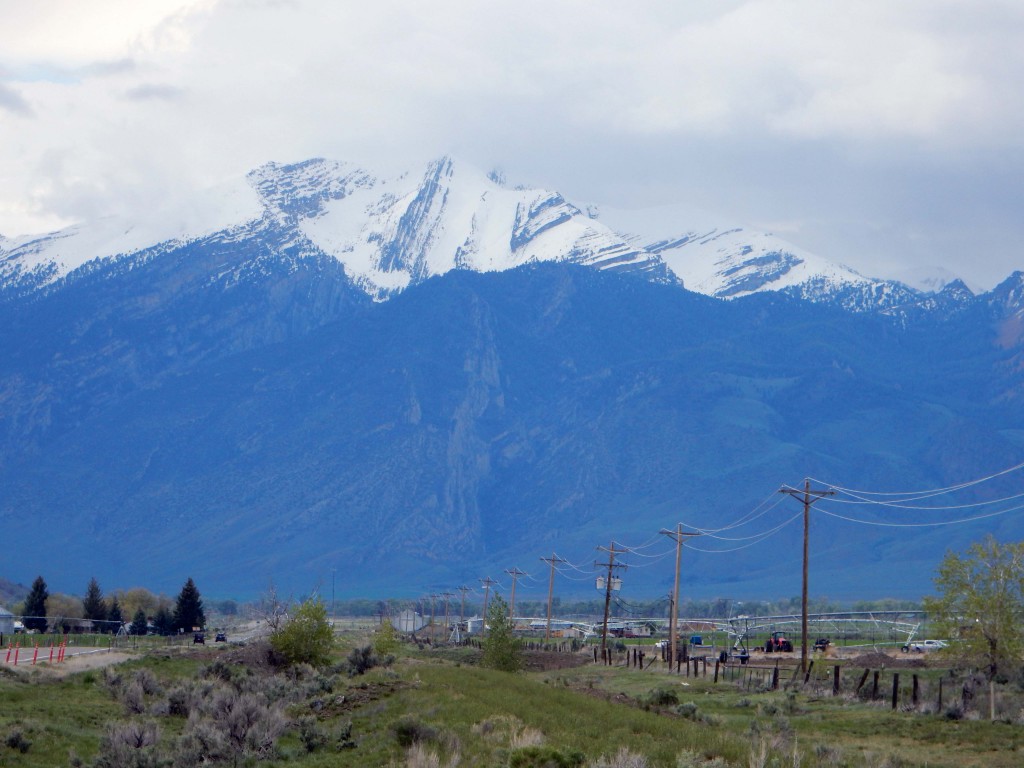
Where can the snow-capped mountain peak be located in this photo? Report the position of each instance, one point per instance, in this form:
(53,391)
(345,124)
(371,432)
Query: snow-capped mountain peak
(392,233)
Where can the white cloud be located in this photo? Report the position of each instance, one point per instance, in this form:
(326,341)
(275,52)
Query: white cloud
(814,112)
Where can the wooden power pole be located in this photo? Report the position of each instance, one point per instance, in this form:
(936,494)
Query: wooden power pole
(611,564)
(809,497)
(487,583)
(678,535)
(551,589)
(515,573)
(462,607)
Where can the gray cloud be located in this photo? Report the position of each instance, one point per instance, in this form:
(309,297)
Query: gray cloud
(14,102)
(875,133)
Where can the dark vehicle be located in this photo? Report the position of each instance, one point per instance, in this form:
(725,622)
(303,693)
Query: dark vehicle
(778,643)
(198,639)
(696,640)
(822,644)
(220,638)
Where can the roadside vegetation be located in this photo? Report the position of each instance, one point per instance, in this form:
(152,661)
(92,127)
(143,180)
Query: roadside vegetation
(306,693)
(418,705)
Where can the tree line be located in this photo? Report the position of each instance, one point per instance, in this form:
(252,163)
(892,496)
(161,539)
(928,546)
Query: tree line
(150,614)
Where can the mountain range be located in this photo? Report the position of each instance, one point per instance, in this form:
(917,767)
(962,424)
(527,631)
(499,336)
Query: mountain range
(423,380)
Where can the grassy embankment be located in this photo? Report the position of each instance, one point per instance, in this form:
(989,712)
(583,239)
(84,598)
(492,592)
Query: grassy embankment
(453,707)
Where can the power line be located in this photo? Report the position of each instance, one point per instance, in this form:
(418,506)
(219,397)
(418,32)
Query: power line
(934,524)
(932,491)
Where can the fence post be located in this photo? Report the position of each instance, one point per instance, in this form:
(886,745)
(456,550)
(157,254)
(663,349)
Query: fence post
(916,691)
(810,667)
(895,689)
(716,671)
(863,679)
(874,686)
(940,696)
(835,679)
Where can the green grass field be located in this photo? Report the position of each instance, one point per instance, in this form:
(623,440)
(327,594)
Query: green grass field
(460,714)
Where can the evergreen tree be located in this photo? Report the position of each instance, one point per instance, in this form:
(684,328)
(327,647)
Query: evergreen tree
(114,615)
(163,621)
(502,649)
(138,625)
(93,607)
(188,612)
(35,606)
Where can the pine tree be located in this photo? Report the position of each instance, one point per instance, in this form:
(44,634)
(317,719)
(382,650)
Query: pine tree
(188,612)
(163,621)
(138,625)
(93,607)
(35,606)
(114,615)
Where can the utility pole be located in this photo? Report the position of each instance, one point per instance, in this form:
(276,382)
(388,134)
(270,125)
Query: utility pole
(612,552)
(809,497)
(446,596)
(551,588)
(515,573)
(677,535)
(462,608)
(487,583)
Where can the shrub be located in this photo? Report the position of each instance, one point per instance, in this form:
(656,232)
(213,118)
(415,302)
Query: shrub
(312,737)
(307,636)
(385,641)
(201,742)
(662,697)
(502,649)
(16,740)
(624,758)
(544,757)
(360,660)
(409,731)
(129,745)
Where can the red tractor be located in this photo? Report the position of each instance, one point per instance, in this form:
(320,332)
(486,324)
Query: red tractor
(778,643)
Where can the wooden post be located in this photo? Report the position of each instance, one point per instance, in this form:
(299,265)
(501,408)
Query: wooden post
(940,696)
(895,689)
(863,679)
(810,666)
(716,671)
(775,677)
(874,686)
(835,679)
(915,696)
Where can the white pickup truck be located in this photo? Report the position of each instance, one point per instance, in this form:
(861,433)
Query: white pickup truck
(921,646)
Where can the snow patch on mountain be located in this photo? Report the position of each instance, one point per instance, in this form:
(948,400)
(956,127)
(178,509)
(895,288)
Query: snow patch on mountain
(726,261)
(393,233)
(42,259)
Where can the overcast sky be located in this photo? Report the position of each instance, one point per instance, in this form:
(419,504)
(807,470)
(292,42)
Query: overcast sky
(884,135)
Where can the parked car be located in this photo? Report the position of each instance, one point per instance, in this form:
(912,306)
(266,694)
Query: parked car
(198,639)
(922,646)
(220,637)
